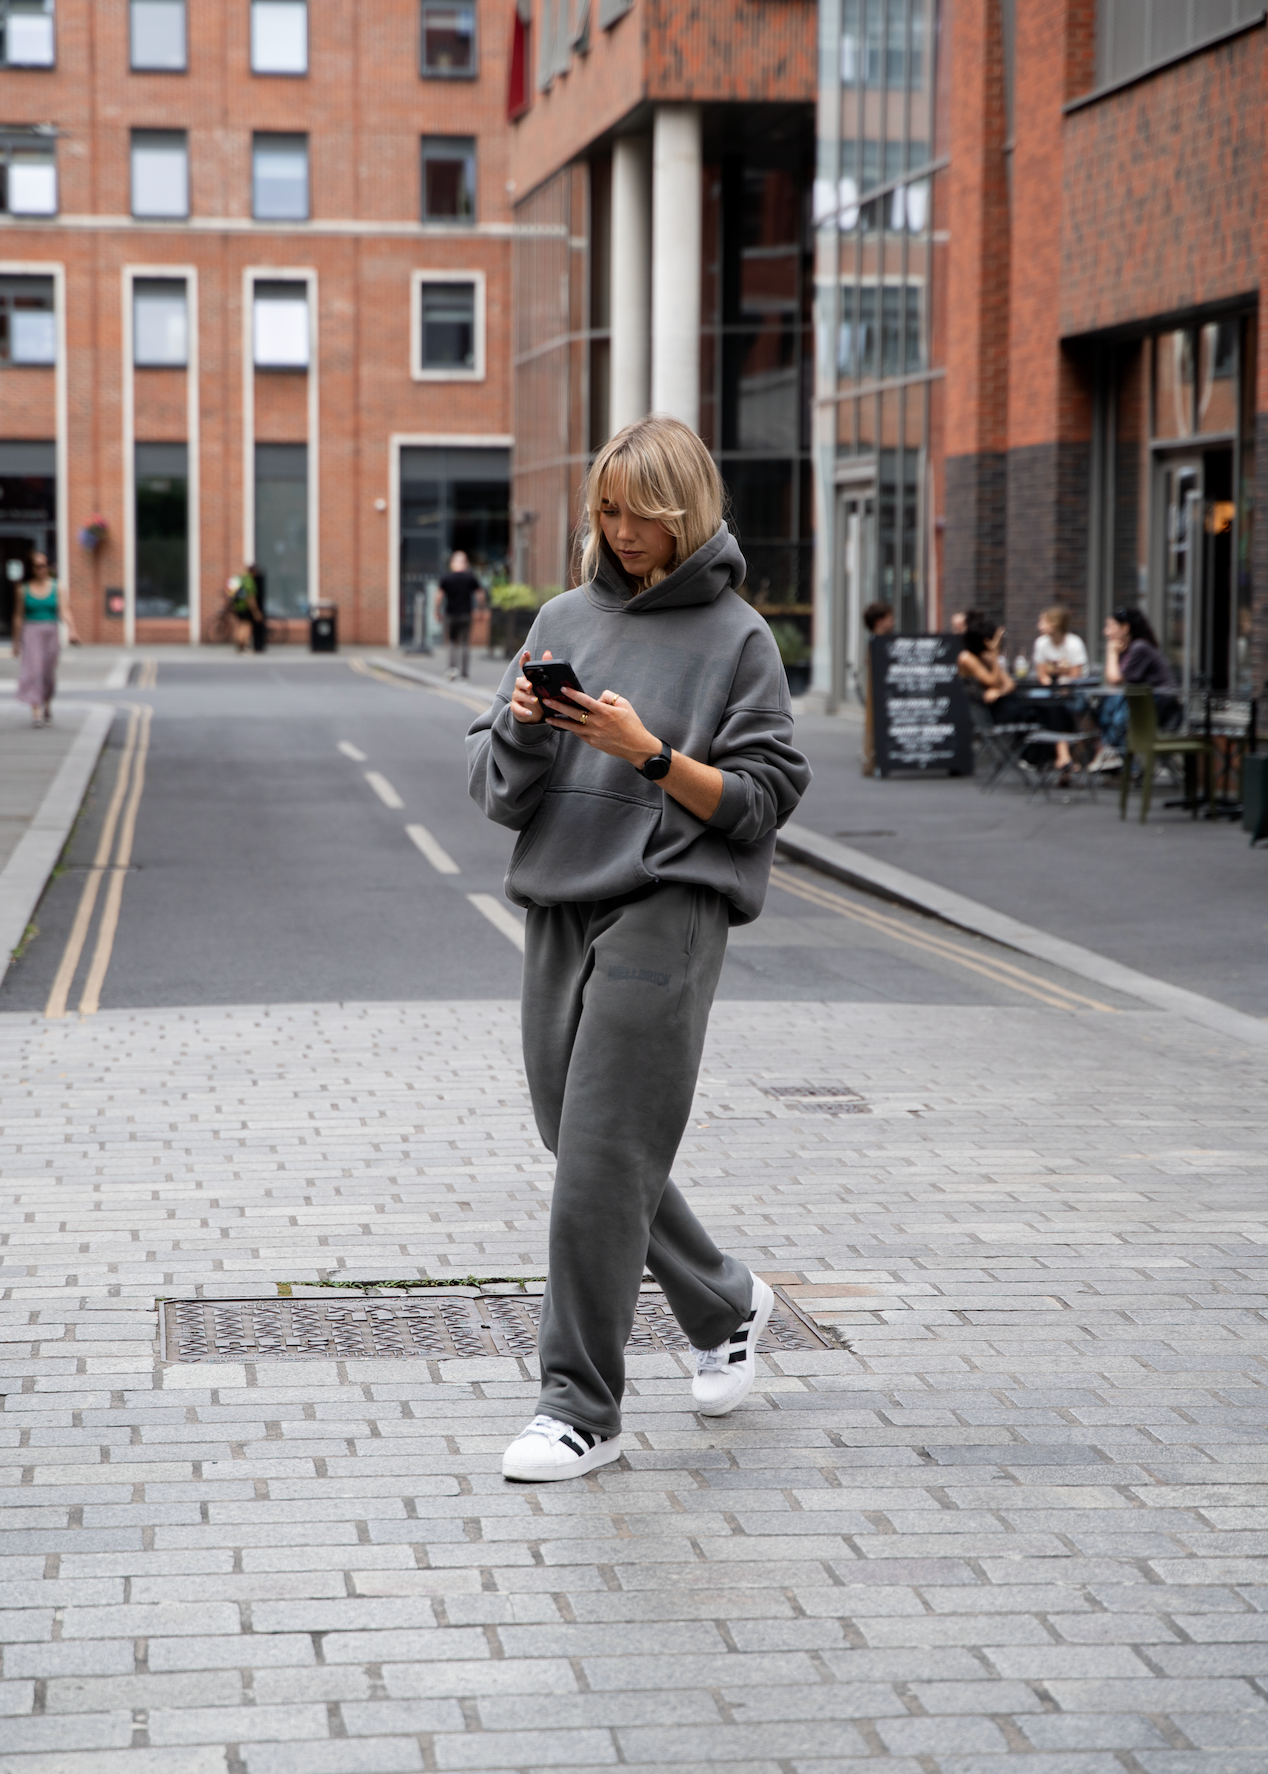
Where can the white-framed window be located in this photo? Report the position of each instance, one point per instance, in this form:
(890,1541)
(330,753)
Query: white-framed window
(160,173)
(280,331)
(447,326)
(27,33)
(156,36)
(28,321)
(28,174)
(279,37)
(279,178)
(160,323)
(448,39)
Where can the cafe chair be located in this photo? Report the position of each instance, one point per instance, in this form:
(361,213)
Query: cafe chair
(998,749)
(1145,743)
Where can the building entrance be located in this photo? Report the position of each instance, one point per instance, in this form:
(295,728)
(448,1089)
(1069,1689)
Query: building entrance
(28,517)
(1195,555)
(450,498)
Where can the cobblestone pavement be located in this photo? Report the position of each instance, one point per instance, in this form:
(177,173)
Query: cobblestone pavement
(1023,1516)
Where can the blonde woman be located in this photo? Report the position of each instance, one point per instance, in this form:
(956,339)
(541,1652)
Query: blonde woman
(39,609)
(646,806)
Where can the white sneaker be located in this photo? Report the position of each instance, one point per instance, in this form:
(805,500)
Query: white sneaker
(1106,759)
(452,673)
(725,1375)
(549,1449)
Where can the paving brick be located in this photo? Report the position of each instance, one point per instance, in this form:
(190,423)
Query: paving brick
(871,1534)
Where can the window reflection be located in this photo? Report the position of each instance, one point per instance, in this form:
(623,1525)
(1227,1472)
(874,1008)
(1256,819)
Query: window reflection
(1173,384)
(882,230)
(1217,376)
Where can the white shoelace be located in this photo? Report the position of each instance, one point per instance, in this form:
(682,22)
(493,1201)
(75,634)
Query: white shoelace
(550,1427)
(711,1361)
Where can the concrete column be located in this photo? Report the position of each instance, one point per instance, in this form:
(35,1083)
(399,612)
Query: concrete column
(676,245)
(630,299)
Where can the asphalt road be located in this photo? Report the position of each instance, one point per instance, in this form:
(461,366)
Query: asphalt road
(268,865)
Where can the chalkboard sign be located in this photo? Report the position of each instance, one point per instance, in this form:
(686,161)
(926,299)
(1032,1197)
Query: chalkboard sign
(920,713)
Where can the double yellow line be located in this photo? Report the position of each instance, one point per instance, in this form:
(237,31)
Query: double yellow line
(121,820)
(1000,972)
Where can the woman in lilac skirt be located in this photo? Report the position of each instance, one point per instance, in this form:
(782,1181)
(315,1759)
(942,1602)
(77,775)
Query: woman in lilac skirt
(41,605)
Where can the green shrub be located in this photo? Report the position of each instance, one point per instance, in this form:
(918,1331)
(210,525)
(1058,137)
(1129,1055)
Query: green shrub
(509,596)
(794,648)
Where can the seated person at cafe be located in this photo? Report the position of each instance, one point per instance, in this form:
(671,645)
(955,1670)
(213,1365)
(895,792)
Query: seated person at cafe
(1058,653)
(878,618)
(1132,656)
(961,620)
(987,678)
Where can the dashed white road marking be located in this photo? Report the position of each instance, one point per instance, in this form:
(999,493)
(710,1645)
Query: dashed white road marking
(500,916)
(384,790)
(436,854)
(352,751)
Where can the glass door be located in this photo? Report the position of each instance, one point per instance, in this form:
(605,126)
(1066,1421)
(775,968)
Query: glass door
(1195,502)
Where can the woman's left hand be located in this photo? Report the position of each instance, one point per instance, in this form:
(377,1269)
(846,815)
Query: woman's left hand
(609,724)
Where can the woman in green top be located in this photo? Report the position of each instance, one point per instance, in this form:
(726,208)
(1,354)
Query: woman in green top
(40,607)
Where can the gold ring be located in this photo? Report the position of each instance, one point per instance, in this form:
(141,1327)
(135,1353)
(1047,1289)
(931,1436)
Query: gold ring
(583,719)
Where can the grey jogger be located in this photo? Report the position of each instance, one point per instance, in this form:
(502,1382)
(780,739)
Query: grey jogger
(616,1002)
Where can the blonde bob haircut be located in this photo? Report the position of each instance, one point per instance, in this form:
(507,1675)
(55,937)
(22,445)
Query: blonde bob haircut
(1059,617)
(662,471)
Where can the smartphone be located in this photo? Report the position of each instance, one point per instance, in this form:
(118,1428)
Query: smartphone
(548,677)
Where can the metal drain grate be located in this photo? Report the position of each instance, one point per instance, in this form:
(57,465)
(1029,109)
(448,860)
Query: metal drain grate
(436,1324)
(817,1099)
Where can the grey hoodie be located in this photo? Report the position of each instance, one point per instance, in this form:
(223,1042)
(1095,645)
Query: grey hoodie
(702,669)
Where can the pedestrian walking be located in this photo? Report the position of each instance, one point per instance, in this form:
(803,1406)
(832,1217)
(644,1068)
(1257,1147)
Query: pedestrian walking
(459,593)
(244,608)
(646,815)
(40,608)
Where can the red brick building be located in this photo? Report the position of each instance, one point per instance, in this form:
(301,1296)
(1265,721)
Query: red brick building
(663,158)
(254,302)
(1040,380)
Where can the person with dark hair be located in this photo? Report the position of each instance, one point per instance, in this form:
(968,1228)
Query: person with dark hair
(984,672)
(878,618)
(1132,656)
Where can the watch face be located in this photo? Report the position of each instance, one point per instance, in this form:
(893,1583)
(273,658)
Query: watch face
(656,767)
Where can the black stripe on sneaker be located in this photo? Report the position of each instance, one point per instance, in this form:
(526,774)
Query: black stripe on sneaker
(585,1436)
(574,1445)
(738,1355)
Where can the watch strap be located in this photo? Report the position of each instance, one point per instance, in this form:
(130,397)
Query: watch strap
(666,753)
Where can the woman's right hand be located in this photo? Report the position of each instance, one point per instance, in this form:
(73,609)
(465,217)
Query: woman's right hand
(524,704)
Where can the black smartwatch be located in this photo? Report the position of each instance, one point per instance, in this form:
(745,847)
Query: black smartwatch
(658,766)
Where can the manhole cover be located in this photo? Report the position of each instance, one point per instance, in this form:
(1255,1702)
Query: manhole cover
(817,1099)
(429,1325)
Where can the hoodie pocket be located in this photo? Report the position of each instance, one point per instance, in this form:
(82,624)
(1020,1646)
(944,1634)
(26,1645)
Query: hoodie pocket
(583,845)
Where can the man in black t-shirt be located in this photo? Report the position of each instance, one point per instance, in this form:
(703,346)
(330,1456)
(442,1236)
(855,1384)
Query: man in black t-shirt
(460,591)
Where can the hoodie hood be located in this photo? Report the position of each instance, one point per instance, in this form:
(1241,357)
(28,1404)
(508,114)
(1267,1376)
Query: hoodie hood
(701,579)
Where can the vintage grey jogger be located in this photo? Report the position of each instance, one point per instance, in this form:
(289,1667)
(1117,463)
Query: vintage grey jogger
(616,1003)
(629,897)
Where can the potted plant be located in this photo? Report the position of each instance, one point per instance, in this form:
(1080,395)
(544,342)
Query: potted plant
(794,650)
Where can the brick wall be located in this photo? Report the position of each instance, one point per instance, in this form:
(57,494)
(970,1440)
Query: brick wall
(1160,191)
(363,106)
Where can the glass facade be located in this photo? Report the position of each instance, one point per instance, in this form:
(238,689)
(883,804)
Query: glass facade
(757,343)
(162,530)
(880,238)
(756,348)
(451,498)
(1172,508)
(1133,35)
(281,528)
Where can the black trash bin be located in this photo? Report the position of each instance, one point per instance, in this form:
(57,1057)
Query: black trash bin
(323,628)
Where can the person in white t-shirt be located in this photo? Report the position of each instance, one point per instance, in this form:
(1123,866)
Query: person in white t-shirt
(1058,653)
